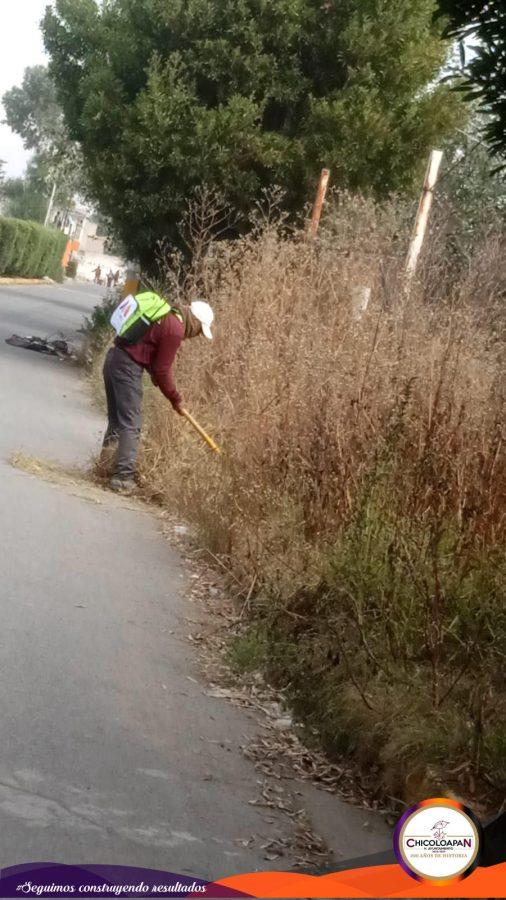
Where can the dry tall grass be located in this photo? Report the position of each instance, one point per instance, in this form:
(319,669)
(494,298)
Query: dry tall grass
(361,493)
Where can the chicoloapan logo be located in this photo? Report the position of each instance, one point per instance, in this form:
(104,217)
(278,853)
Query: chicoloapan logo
(438,841)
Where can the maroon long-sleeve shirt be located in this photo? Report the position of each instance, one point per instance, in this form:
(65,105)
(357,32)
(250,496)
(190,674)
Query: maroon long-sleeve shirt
(156,353)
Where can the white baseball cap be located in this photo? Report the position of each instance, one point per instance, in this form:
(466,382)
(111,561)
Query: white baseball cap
(203,312)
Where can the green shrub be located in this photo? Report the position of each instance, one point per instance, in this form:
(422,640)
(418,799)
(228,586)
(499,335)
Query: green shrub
(8,239)
(98,322)
(98,330)
(249,651)
(28,250)
(71,270)
(29,238)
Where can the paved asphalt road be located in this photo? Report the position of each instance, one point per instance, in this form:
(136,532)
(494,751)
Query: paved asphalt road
(110,748)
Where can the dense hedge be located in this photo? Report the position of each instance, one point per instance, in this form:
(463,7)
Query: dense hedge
(71,270)
(29,250)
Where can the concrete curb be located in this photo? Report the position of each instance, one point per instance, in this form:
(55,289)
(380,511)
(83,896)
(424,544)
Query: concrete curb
(26,281)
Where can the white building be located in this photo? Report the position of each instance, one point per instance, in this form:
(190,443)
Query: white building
(91,254)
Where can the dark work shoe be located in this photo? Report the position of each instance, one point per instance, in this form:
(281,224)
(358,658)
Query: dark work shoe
(122,485)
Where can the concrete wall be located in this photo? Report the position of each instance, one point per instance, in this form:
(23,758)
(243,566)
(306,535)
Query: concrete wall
(92,253)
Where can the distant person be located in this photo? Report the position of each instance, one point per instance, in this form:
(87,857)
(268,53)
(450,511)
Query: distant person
(116,278)
(150,332)
(98,275)
(110,279)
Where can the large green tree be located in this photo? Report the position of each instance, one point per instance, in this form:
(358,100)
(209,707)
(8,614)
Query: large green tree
(167,95)
(20,200)
(27,196)
(33,112)
(484,23)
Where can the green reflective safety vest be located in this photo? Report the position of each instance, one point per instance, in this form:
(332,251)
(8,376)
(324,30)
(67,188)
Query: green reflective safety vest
(135,315)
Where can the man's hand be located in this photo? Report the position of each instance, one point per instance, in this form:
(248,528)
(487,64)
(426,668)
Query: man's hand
(179,409)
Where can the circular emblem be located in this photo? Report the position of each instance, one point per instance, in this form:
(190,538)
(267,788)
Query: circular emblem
(438,840)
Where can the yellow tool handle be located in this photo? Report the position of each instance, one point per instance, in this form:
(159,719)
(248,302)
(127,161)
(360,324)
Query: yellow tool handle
(203,434)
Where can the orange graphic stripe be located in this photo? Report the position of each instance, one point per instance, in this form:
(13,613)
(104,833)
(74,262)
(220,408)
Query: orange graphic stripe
(373,881)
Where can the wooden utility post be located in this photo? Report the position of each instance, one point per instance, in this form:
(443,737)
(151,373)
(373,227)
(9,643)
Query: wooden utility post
(318,203)
(422,216)
(132,283)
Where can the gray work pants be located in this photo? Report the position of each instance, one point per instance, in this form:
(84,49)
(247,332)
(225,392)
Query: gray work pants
(123,389)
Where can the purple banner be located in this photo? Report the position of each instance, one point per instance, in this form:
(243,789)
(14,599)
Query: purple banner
(47,880)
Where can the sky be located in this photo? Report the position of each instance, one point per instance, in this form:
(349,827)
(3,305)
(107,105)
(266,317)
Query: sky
(20,46)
